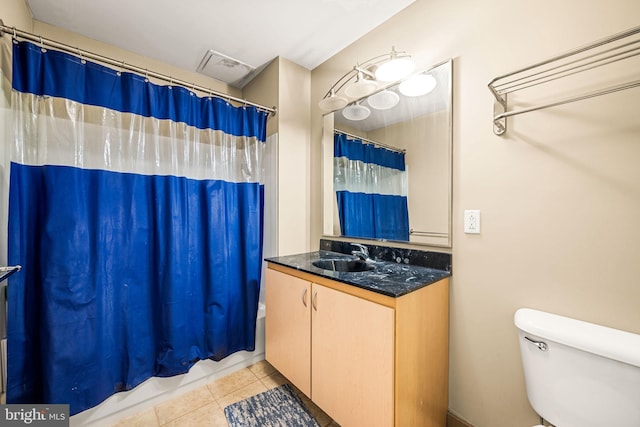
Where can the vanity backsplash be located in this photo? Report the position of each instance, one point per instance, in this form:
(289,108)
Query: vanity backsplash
(428,259)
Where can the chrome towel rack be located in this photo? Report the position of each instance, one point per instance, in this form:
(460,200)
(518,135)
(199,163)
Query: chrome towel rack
(618,47)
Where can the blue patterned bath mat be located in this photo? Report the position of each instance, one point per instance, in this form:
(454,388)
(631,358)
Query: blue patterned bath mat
(278,407)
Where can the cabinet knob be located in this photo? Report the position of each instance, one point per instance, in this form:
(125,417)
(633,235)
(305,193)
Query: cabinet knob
(314,301)
(304,297)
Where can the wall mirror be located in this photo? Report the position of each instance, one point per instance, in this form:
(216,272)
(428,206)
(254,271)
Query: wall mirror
(387,163)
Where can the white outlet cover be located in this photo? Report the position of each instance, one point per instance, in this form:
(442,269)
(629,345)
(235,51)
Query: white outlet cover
(472,221)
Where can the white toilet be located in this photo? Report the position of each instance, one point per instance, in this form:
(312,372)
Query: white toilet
(579,374)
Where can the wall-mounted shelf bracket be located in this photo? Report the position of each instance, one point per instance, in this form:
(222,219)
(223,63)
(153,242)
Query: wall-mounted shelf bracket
(618,47)
(499,108)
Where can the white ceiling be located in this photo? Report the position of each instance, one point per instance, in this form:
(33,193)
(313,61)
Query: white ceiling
(180,32)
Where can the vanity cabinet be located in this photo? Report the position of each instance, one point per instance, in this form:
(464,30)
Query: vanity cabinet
(365,358)
(352,358)
(289,328)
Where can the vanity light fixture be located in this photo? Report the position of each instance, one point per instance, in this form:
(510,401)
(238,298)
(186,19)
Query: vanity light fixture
(363,86)
(356,112)
(399,67)
(332,102)
(383,100)
(418,85)
(362,79)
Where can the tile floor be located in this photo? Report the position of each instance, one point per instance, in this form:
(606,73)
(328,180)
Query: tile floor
(205,406)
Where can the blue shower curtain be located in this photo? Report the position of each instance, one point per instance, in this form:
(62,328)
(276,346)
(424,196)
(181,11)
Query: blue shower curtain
(370,184)
(136,212)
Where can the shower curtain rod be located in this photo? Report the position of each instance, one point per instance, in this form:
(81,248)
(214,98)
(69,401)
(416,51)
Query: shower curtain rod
(369,141)
(84,54)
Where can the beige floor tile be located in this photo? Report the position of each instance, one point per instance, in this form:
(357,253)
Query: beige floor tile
(210,415)
(232,383)
(205,406)
(145,418)
(262,368)
(238,395)
(273,380)
(183,404)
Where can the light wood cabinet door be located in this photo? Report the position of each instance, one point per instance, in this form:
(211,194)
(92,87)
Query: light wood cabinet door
(353,358)
(288,327)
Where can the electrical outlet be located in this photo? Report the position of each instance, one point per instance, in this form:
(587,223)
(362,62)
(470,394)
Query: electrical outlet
(472,221)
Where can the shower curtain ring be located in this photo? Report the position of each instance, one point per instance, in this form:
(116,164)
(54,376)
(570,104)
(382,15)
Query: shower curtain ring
(146,75)
(82,60)
(170,82)
(15,36)
(42,49)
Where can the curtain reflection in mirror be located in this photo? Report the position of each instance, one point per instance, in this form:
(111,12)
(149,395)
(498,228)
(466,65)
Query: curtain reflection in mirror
(371,190)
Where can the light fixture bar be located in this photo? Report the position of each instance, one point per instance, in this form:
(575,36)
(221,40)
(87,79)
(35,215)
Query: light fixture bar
(358,72)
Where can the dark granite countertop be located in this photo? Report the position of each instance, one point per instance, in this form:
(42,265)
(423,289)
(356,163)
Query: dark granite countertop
(389,278)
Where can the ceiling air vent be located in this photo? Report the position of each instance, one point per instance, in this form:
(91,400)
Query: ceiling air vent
(226,69)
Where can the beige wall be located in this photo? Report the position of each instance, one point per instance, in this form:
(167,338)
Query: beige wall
(15,13)
(287,86)
(294,159)
(559,194)
(263,89)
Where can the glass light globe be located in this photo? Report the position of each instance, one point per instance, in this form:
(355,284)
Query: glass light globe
(356,112)
(418,85)
(360,88)
(333,102)
(396,69)
(383,100)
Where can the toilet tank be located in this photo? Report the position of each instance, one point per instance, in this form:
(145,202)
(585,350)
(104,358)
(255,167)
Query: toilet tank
(579,374)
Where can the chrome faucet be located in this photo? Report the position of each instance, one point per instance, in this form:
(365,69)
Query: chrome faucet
(362,252)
